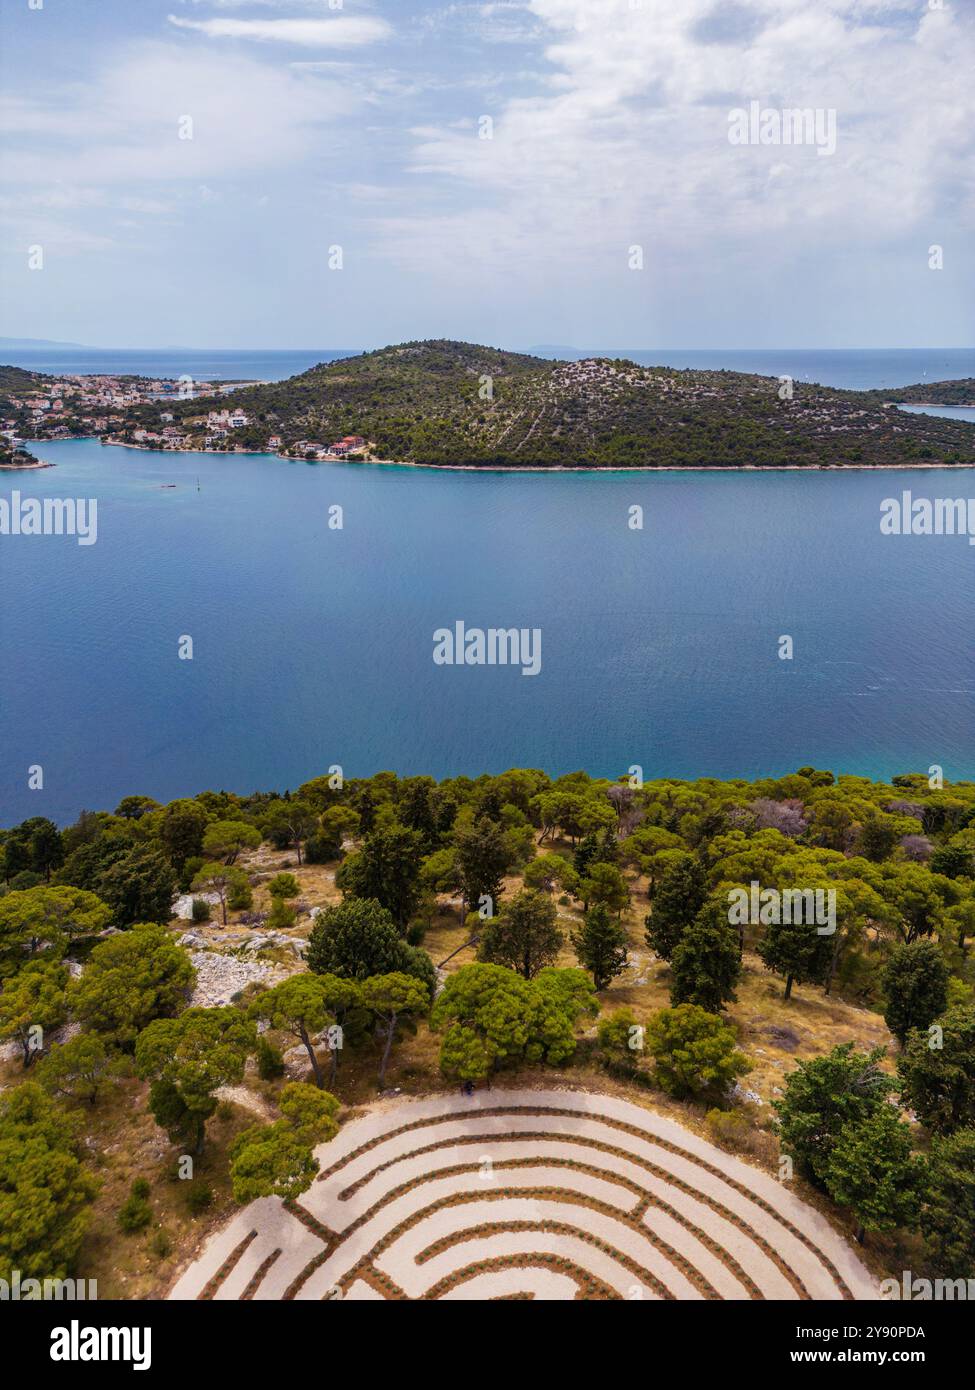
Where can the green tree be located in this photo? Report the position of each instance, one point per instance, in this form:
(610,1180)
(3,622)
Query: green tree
(344,1001)
(45,1190)
(823,1096)
(557,1000)
(357,938)
(694,1052)
(35,846)
(33,1002)
(954,861)
(550,871)
(795,949)
(393,998)
(491,1015)
(311,1113)
(139,886)
(181,828)
(587,853)
(878,836)
(335,824)
(604,886)
(600,945)
(187,1059)
(78,1068)
(299,1006)
(937,1072)
(386,869)
(48,918)
(135,807)
(872,1171)
(224,839)
(222,880)
(277,1160)
(679,897)
(482,861)
(524,936)
(948,1212)
(915,984)
(131,979)
(288,823)
(706,964)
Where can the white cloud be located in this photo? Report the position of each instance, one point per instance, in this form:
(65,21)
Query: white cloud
(627,140)
(247,117)
(342,32)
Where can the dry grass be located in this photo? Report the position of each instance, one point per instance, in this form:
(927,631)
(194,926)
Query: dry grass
(124,1144)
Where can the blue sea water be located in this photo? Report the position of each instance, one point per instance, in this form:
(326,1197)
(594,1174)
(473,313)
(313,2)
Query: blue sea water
(215,364)
(853,369)
(314,646)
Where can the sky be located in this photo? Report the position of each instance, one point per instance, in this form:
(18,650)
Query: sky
(316,173)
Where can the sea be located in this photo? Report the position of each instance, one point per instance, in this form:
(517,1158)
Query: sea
(245,622)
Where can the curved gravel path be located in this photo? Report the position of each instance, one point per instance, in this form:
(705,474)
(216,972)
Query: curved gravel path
(528,1194)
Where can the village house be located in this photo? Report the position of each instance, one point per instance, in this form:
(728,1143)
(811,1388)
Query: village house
(227,419)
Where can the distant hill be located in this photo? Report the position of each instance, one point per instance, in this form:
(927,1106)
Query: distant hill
(25,344)
(961,392)
(16,380)
(441,402)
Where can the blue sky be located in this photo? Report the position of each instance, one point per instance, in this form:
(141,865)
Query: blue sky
(360,124)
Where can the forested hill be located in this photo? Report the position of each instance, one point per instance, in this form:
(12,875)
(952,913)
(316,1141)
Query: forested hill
(441,402)
(961,392)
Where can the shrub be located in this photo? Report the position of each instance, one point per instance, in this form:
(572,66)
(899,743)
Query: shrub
(270,1063)
(694,1051)
(135,1214)
(160,1244)
(617,1033)
(200,911)
(240,896)
(198,1197)
(281,915)
(733,1130)
(283,886)
(140,1188)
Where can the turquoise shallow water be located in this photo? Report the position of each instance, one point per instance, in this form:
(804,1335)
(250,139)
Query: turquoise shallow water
(314,646)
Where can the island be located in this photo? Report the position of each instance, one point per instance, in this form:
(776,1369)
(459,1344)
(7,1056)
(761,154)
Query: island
(448,404)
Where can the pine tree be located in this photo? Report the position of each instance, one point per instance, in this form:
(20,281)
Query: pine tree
(915,984)
(938,1083)
(873,1171)
(600,945)
(948,1214)
(678,899)
(525,935)
(796,950)
(706,965)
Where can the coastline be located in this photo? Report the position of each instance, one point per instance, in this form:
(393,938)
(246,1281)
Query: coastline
(25,467)
(537,468)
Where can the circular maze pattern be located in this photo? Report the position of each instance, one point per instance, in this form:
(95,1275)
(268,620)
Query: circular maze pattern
(528,1194)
